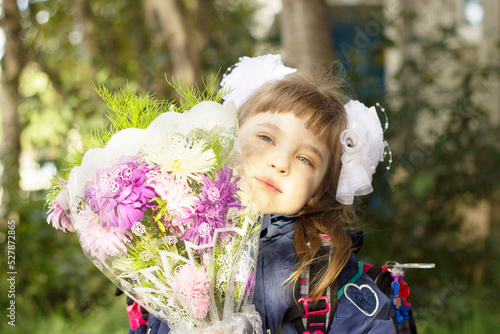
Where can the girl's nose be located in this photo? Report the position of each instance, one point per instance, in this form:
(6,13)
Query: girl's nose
(280,163)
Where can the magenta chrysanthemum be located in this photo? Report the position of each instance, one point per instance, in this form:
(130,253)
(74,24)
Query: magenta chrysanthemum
(191,288)
(215,199)
(60,213)
(179,198)
(100,241)
(120,195)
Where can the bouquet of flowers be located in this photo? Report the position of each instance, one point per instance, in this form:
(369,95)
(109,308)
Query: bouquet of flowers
(164,212)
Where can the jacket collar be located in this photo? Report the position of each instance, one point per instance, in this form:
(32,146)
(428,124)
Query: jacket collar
(275,225)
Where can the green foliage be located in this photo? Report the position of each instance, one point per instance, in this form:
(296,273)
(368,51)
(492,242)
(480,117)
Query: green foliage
(190,96)
(53,273)
(127,110)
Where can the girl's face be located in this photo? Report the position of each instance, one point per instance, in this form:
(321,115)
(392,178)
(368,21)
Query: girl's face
(287,161)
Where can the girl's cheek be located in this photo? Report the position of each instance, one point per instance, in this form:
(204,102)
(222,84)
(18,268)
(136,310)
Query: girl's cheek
(251,149)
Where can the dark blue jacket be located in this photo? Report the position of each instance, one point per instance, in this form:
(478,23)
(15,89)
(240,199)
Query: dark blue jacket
(362,308)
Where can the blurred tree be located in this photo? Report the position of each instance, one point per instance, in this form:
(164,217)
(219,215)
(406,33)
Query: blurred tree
(168,19)
(14,61)
(305,29)
(446,158)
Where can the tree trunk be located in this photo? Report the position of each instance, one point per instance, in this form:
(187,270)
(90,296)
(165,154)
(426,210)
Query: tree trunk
(198,12)
(14,60)
(168,18)
(306,32)
(409,84)
(85,18)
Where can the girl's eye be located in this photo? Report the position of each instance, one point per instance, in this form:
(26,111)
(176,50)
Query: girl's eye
(304,160)
(266,139)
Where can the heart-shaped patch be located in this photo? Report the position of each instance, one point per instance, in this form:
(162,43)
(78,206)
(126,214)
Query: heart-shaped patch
(363,297)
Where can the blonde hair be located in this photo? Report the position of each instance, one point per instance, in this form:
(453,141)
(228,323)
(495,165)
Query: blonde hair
(318,96)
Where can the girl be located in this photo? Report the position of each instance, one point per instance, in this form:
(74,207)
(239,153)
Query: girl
(290,132)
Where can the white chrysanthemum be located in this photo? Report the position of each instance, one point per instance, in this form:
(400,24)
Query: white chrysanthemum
(187,161)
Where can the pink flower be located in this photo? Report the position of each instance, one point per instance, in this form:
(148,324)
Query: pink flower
(191,288)
(101,241)
(179,198)
(60,212)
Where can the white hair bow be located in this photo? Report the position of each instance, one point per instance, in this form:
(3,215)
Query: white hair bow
(249,74)
(363,147)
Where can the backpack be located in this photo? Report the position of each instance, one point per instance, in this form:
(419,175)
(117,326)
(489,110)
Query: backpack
(317,316)
(391,283)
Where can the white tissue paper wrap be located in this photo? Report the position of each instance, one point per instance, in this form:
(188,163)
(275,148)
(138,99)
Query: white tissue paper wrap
(363,148)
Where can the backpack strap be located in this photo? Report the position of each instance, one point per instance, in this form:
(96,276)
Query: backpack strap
(352,280)
(315,316)
(311,316)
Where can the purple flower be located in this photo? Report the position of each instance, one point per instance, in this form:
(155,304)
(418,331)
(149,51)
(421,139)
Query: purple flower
(215,199)
(60,213)
(120,196)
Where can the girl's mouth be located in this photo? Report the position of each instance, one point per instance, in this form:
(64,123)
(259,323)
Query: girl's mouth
(268,184)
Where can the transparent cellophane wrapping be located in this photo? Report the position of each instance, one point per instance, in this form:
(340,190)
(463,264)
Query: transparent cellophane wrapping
(199,284)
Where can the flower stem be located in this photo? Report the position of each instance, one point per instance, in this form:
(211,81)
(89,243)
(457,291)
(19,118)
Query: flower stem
(156,224)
